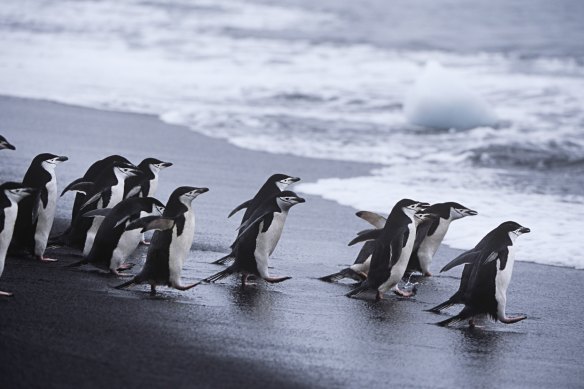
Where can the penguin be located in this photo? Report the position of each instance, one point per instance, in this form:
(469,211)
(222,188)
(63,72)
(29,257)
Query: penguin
(171,242)
(393,247)
(146,184)
(74,235)
(4,144)
(36,214)
(274,185)
(486,277)
(258,239)
(11,193)
(430,235)
(113,244)
(105,192)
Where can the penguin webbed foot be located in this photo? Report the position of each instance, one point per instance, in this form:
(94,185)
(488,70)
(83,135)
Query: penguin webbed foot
(6,294)
(275,280)
(118,274)
(42,258)
(379,296)
(126,266)
(512,319)
(186,287)
(403,293)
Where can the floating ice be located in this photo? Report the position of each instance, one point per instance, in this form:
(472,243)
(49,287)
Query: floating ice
(440,99)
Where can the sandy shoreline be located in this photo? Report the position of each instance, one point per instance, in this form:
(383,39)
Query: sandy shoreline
(69,328)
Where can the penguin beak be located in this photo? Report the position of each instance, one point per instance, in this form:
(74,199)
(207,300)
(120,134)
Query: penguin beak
(295,179)
(470,212)
(300,200)
(29,191)
(201,190)
(165,164)
(524,230)
(62,158)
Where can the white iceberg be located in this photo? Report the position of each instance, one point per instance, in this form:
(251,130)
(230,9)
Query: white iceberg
(440,99)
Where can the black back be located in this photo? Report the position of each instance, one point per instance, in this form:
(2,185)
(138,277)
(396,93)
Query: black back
(108,234)
(389,244)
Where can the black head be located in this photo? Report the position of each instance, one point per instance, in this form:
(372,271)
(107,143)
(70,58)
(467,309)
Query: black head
(4,144)
(409,207)
(513,227)
(186,194)
(48,159)
(155,206)
(115,158)
(282,180)
(16,191)
(451,210)
(153,163)
(126,168)
(287,199)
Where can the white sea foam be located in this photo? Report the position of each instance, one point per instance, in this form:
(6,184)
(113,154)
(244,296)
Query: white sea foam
(218,67)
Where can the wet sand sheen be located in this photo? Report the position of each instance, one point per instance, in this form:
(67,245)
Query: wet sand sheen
(69,327)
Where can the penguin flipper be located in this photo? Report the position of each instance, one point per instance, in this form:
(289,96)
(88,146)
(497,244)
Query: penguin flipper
(240,207)
(466,257)
(366,235)
(152,223)
(372,218)
(463,315)
(79,185)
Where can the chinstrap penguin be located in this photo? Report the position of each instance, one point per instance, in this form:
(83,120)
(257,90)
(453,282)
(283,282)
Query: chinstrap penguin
(486,276)
(171,242)
(36,213)
(393,247)
(258,239)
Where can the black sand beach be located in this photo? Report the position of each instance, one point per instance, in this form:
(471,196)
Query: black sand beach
(69,328)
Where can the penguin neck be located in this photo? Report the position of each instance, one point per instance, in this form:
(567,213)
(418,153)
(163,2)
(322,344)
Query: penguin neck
(120,176)
(512,237)
(48,167)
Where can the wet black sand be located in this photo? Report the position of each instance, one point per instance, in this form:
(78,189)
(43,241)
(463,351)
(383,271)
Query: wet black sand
(69,328)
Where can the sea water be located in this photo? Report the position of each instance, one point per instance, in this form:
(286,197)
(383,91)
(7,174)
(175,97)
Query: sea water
(336,80)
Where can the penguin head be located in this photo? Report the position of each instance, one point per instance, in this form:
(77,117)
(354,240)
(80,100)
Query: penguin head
(49,161)
(152,206)
(154,165)
(410,207)
(4,144)
(15,191)
(126,169)
(423,216)
(458,211)
(288,199)
(186,194)
(283,180)
(514,228)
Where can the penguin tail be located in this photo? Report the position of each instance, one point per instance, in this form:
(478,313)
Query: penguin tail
(219,276)
(438,308)
(225,260)
(452,320)
(345,273)
(126,284)
(358,290)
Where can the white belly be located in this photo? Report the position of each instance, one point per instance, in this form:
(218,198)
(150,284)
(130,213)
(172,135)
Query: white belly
(126,246)
(90,237)
(46,215)
(502,280)
(153,186)
(266,242)
(117,194)
(430,245)
(6,234)
(180,247)
(398,270)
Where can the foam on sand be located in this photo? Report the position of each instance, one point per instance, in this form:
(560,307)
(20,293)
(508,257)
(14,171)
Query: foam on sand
(440,99)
